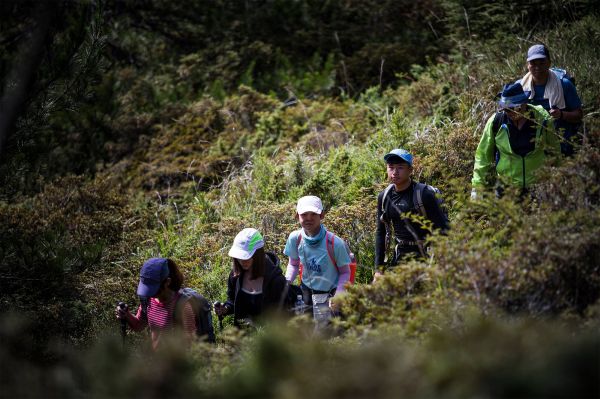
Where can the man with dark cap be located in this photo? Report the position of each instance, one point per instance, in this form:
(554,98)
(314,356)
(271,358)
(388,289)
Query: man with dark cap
(553,90)
(395,204)
(516,142)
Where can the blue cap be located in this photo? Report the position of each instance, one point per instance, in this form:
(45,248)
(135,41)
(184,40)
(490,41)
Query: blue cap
(536,52)
(153,273)
(513,95)
(398,155)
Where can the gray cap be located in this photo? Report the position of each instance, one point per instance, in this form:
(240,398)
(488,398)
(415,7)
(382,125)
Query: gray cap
(536,52)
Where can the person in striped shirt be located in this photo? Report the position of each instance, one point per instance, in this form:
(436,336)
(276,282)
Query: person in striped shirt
(160,310)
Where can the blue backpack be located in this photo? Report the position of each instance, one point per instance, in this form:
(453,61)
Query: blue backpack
(562,74)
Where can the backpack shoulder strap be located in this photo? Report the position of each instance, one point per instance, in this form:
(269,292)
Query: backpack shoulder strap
(562,74)
(185,295)
(144,303)
(497,122)
(330,243)
(385,195)
(274,258)
(298,242)
(418,198)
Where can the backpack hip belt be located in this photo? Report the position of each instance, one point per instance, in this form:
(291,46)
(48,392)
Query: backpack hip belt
(404,243)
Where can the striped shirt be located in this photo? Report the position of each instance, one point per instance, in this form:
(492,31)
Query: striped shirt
(160,319)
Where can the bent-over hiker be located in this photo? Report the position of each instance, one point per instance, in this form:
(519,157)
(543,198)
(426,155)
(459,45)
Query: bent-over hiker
(516,142)
(159,288)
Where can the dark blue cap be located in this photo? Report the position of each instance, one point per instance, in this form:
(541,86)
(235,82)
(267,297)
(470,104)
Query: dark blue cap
(513,95)
(153,273)
(536,52)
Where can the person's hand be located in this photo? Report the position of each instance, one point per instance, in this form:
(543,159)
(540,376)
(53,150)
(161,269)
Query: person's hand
(333,306)
(377,276)
(121,311)
(556,113)
(220,309)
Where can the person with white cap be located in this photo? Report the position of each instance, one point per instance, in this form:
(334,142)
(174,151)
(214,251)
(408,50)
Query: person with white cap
(256,283)
(516,142)
(323,255)
(401,198)
(159,289)
(554,90)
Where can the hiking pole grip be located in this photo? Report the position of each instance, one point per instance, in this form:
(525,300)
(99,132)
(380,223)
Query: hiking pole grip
(123,306)
(220,316)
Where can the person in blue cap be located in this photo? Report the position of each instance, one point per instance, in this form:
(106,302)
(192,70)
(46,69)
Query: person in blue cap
(554,90)
(159,288)
(401,198)
(516,142)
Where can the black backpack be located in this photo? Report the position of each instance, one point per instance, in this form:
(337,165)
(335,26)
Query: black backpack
(418,198)
(562,74)
(290,292)
(418,190)
(202,312)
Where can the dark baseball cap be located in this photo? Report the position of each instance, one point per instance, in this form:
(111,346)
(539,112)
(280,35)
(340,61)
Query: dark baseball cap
(537,51)
(513,95)
(153,273)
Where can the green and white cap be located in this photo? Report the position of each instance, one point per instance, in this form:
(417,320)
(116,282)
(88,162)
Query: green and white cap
(246,243)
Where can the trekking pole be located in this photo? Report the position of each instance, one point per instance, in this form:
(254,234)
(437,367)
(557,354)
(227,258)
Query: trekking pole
(123,307)
(215,305)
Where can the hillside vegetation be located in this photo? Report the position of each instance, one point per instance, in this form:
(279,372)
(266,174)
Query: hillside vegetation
(160,129)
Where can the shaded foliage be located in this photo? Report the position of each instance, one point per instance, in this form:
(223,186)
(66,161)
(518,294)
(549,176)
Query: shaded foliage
(51,240)
(57,105)
(207,117)
(489,357)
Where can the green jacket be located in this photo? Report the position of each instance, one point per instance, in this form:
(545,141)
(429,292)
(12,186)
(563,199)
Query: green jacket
(517,170)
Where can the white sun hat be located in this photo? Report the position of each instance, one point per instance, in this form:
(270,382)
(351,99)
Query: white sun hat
(310,203)
(246,243)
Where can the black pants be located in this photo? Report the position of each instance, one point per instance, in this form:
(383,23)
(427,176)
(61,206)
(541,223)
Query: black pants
(402,252)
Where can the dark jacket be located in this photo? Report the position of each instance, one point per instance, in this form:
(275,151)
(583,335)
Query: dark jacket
(274,288)
(405,203)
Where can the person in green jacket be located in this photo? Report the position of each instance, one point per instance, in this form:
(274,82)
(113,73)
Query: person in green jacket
(516,142)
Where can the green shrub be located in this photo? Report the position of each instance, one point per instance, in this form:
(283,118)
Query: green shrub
(55,239)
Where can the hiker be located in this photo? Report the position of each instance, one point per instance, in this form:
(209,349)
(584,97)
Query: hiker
(256,283)
(160,283)
(395,204)
(554,90)
(516,142)
(323,255)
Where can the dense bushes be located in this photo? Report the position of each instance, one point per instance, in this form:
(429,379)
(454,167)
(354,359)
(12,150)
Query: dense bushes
(188,165)
(486,357)
(50,241)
